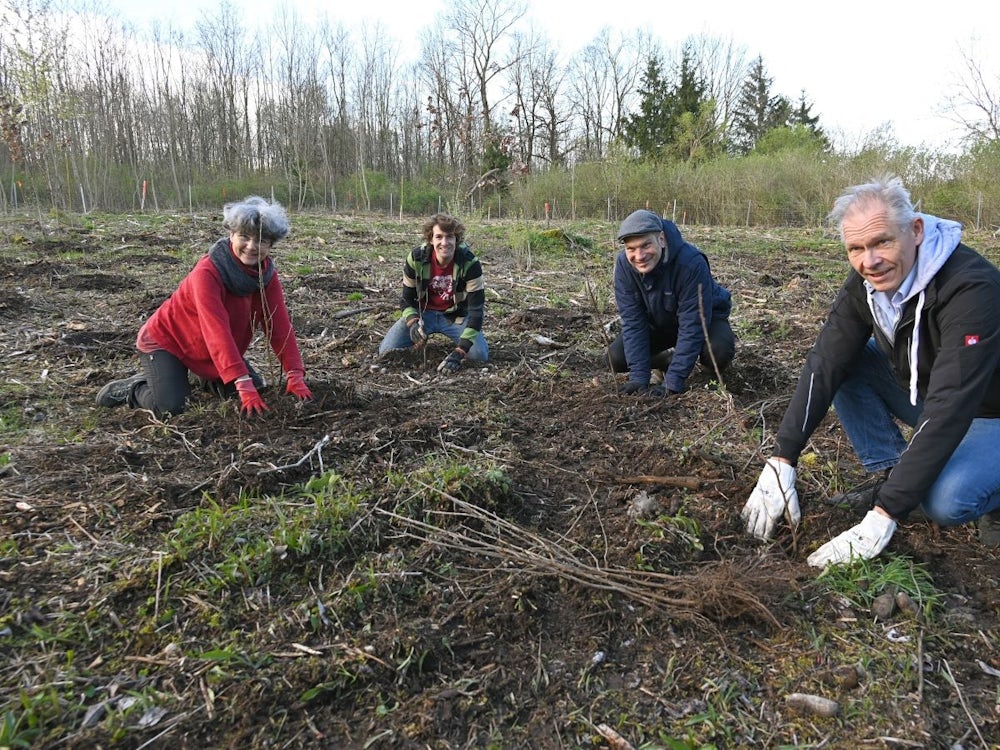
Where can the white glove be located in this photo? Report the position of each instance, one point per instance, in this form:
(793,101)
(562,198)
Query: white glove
(773,497)
(864,541)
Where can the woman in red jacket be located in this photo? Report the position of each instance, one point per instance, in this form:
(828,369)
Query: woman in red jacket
(206,325)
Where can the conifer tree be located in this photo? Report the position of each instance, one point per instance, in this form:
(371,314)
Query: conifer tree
(665,108)
(650,128)
(758,110)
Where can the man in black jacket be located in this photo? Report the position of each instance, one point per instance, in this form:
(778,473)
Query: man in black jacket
(913,335)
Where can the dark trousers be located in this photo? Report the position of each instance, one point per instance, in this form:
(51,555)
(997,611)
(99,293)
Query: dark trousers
(721,339)
(166,389)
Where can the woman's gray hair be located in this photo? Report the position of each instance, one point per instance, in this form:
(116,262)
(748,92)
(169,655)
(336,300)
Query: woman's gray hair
(255,216)
(885,190)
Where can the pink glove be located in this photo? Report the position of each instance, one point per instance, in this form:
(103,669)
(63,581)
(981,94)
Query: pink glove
(252,402)
(297,385)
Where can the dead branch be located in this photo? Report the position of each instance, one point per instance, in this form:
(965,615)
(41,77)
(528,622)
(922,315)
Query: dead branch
(354,311)
(481,181)
(717,592)
(615,740)
(316,450)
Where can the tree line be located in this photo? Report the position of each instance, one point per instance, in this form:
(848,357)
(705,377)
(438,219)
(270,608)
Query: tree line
(96,113)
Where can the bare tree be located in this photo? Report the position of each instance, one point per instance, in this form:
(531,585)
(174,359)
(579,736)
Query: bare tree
(231,58)
(170,106)
(462,59)
(413,125)
(441,73)
(535,79)
(337,138)
(975,105)
(114,126)
(373,94)
(482,27)
(723,65)
(605,76)
(294,106)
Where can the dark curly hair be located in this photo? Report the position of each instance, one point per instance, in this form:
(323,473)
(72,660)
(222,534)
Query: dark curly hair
(448,224)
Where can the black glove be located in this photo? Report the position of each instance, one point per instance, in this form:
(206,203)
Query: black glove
(631,387)
(452,363)
(417,335)
(661,391)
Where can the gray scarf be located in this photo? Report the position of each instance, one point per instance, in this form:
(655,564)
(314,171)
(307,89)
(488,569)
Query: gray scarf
(239,279)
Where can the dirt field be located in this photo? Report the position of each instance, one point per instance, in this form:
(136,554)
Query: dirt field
(513,557)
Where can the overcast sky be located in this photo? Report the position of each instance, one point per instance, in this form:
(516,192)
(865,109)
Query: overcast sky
(866,64)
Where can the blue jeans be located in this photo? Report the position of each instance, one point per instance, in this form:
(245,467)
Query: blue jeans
(869,402)
(398,336)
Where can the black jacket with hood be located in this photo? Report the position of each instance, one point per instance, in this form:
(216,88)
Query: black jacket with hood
(950,331)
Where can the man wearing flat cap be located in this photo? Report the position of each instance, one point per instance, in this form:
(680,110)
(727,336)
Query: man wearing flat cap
(667,300)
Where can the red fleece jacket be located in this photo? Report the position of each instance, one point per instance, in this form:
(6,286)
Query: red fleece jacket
(209,329)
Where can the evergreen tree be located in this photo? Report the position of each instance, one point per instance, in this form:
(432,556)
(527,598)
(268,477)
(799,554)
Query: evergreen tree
(667,110)
(649,129)
(802,115)
(758,110)
(690,92)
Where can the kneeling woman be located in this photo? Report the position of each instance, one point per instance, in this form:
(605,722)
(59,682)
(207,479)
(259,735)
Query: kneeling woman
(207,324)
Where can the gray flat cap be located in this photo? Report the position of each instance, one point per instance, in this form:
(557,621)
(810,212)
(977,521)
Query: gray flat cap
(639,222)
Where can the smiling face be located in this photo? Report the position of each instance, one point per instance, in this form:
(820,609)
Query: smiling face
(444,245)
(644,251)
(877,249)
(250,249)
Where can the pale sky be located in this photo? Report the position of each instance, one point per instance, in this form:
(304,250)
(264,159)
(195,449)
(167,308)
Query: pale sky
(867,64)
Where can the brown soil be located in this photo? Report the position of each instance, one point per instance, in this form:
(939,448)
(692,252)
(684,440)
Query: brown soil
(497,586)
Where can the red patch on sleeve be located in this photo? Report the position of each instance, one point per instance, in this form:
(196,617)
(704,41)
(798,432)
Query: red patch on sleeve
(972,339)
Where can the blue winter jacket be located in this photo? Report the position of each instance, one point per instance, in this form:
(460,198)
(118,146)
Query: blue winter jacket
(666,300)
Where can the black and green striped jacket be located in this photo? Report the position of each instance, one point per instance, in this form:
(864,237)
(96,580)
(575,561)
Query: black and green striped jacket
(468,287)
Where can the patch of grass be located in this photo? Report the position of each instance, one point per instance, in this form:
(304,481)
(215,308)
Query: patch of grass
(13,422)
(488,487)
(863,580)
(528,244)
(20,727)
(679,533)
(248,541)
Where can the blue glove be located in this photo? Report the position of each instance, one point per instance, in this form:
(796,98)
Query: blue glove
(452,363)
(661,391)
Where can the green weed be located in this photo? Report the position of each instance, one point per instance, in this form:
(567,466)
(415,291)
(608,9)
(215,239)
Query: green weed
(19,728)
(862,580)
(246,542)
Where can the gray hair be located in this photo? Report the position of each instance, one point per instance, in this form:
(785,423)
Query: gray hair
(255,216)
(885,190)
